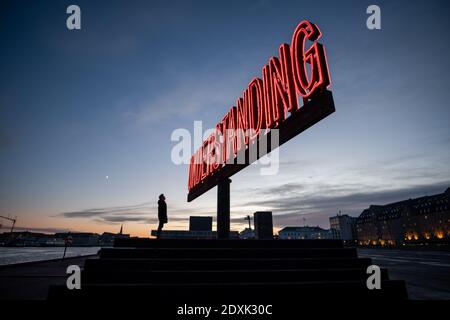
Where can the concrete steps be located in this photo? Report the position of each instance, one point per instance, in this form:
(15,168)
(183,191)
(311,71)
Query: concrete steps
(219,293)
(175,272)
(133,265)
(225,276)
(226,253)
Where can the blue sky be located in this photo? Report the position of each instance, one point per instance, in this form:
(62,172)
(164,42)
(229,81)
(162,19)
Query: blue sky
(77,106)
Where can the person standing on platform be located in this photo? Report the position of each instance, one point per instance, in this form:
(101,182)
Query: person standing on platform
(162,214)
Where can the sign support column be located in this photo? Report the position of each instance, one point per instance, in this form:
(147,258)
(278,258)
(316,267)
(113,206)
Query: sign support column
(223,209)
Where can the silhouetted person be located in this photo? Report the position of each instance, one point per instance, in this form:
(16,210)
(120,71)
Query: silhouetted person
(162,214)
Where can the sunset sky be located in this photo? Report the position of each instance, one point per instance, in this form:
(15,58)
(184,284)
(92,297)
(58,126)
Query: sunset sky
(86,116)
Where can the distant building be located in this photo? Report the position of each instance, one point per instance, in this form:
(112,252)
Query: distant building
(424,219)
(247,233)
(200,223)
(81,239)
(25,238)
(343,227)
(263,224)
(107,238)
(185,234)
(304,233)
(33,239)
(50,241)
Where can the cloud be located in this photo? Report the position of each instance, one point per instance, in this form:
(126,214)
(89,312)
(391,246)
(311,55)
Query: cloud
(183,94)
(327,200)
(87,213)
(117,214)
(165,106)
(188,98)
(316,189)
(349,188)
(139,213)
(278,190)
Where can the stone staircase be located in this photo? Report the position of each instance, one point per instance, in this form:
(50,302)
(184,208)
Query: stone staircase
(171,273)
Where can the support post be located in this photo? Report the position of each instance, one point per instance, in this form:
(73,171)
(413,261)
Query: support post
(223,209)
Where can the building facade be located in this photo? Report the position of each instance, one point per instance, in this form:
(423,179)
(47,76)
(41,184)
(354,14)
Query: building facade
(200,223)
(81,239)
(247,233)
(263,224)
(421,220)
(304,233)
(343,227)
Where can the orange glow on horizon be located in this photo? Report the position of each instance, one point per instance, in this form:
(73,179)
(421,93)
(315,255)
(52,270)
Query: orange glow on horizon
(53,225)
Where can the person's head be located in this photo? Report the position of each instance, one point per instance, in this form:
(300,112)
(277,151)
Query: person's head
(161,197)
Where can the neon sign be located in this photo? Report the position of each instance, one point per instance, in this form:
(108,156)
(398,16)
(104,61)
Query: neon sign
(270,102)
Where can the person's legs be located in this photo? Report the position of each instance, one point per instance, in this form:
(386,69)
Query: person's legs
(160,226)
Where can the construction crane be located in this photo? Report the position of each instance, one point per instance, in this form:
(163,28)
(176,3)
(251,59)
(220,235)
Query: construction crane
(13,220)
(249,221)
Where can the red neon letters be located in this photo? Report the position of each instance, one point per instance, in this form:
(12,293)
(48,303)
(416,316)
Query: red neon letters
(265,104)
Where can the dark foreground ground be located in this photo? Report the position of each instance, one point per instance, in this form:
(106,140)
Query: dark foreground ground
(30,281)
(426,273)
